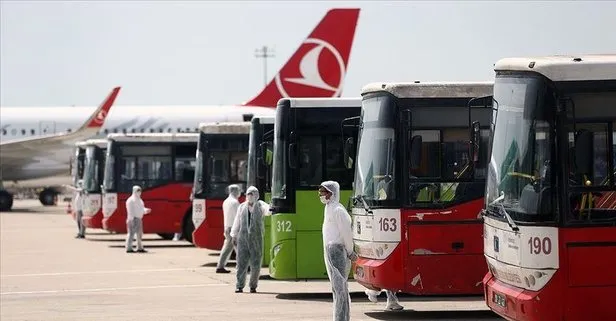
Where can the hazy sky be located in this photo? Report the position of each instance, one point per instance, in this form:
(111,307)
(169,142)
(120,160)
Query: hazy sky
(202,52)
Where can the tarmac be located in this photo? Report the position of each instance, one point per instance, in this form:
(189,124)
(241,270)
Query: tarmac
(48,274)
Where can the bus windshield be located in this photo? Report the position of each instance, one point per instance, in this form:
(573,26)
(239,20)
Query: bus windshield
(92,169)
(375,176)
(518,182)
(109,177)
(220,162)
(78,165)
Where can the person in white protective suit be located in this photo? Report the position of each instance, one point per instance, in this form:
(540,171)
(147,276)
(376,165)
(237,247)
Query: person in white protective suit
(247,233)
(392,299)
(338,249)
(229,210)
(78,203)
(135,209)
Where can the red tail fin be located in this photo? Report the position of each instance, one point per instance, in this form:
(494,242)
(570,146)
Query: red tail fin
(318,67)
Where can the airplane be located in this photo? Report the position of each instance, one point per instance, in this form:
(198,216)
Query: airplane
(316,69)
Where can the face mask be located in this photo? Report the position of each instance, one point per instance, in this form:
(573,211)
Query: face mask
(323,199)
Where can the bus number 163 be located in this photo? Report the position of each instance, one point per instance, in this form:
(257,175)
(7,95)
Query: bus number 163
(388,224)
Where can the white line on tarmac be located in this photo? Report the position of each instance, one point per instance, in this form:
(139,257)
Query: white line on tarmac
(116,289)
(98,272)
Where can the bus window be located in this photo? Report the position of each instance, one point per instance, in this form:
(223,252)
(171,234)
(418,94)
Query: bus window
(334,166)
(310,161)
(239,167)
(184,169)
(600,203)
(218,168)
(153,170)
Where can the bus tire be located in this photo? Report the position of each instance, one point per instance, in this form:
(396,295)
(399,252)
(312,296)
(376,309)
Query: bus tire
(166,236)
(187,226)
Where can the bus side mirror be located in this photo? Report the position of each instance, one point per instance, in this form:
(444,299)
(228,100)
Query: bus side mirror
(292,155)
(583,153)
(348,153)
(415,151)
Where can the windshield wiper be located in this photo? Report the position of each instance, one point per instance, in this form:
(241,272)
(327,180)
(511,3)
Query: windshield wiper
(363,201)
(497,203)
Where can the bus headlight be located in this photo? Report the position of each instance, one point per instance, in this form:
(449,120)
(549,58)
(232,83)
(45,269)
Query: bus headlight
(276,249)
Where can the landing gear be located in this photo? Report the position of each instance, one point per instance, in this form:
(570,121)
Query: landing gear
(6,201)
(48,197)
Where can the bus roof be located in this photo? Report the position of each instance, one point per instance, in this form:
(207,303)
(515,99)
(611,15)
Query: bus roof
(564,67)
(265,119)
(100,142)
(321,102)
(154,137)
(225,128)
(431,89)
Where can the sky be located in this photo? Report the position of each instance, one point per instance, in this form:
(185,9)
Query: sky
(63,53)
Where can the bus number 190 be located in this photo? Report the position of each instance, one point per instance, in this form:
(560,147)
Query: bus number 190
(538,245)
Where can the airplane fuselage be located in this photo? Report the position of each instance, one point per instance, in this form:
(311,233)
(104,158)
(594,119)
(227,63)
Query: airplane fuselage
(19,123)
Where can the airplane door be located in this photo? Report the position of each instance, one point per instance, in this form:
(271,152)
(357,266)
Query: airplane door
(47,127)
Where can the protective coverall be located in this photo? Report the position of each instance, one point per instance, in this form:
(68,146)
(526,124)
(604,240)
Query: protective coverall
(247,233)
(338,248)
(392,299)
(135,209)
(229,210)
(78,207)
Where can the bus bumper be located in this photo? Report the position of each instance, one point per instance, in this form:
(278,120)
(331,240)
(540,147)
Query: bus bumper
(209,233)
(378,274)
(95,221)
(517,304)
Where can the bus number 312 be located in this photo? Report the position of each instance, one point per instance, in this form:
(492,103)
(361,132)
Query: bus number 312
(388,224)
(538,245)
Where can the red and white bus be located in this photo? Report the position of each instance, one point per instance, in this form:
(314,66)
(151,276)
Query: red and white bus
(419,187)
(163,165)
(550,208)
(222,159)
(94,169)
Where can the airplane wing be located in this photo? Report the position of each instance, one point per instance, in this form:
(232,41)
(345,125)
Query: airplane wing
(27,150)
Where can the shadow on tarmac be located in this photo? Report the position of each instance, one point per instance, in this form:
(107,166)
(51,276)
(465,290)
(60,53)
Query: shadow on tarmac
(433,315)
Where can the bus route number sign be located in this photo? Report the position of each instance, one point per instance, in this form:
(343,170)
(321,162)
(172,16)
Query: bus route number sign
(283,226)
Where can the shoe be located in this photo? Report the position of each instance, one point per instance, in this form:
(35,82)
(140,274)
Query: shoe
(130,251)
(393,306)
(239,290)
(142,251)
(222,271)
(253,290)
(79,236)
(372,295)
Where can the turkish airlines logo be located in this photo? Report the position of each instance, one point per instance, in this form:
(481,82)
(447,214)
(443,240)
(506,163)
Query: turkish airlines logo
(100,117)
(311,82)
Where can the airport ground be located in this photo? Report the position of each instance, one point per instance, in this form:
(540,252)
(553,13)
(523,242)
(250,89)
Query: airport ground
(47,274)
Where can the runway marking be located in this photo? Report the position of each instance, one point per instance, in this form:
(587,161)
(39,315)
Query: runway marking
(98,272)
(115,289)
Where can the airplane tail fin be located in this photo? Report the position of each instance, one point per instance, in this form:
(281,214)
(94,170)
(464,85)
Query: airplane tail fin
(318,66)
(97,119)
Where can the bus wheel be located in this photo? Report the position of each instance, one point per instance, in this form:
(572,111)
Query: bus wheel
(166,236)
(187,226)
